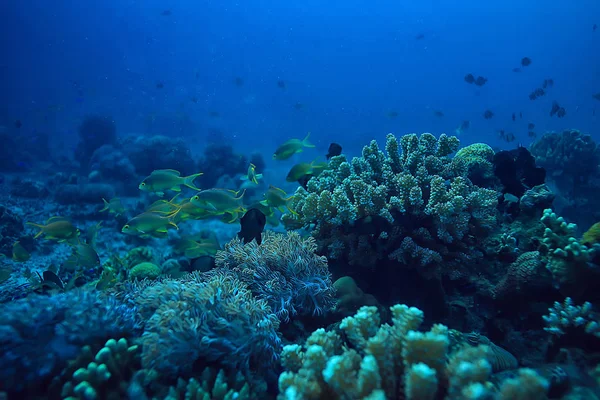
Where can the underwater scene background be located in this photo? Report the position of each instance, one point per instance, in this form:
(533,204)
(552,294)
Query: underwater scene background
(299,200)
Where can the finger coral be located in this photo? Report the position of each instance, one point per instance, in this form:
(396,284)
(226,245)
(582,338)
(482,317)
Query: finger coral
(412,204)
(396,361)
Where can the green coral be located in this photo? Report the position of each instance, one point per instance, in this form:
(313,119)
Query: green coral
(573,265)
(145,270)
(106,375)
(478,159)
(139,255)
(383,361)
(214,385)
(416,178)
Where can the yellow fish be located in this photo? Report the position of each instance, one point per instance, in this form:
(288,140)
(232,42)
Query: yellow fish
(167,179)
(193,249)
(298,171)
(291,147)
(275,198)
(83,256)
(114,206)
(57,228)
(164,206)
(220,201)
(19,253)
(251,175)
(150,224)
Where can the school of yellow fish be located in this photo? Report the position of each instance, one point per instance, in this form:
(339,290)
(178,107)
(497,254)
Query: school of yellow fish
(162,215)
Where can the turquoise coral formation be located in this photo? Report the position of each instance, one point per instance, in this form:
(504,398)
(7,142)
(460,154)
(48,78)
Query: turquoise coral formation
(416,182)
(396,361)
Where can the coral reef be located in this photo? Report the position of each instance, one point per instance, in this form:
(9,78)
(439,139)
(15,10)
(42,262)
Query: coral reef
(147,154)
(94,132)
(219,160)
(284,271)
(382,361)
(575,267)
(211,319)
(571,158)
(39,333)
(105,375)
(11,228)
(416,206)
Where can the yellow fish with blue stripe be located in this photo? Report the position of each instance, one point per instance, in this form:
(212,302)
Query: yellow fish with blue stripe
(161,180)
(291,147)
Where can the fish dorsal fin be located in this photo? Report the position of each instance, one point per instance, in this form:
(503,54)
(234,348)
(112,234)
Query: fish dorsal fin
(56,219)
(278,190)
(169,171)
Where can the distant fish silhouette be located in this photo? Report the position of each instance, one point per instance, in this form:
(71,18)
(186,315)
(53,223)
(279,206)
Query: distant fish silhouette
(281,84)
(469,78)
(252,226)
(488,114)
(526,61)
(420,36)
(594,28)
(334,150)
(166,13)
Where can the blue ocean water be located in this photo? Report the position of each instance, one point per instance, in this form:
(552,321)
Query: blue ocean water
(109,256)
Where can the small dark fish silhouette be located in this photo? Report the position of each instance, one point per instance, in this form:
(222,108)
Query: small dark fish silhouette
(532,134)
(213,114)
(420,36)
(465,125)
(438,113)
(469,78)
(514,117)
(393,114)
(596,96)
(239,82)
(166,13)
(548,83)
(516,69)
(557,110)
(526,61)
(480,81)
(18,124)
(506,136)
(252,226)
(160,85)
(530,125)
(298,106)
(539,92)
(194,99)
(521,115)
(334,150)
(281,84)
(594,28)
(488,114)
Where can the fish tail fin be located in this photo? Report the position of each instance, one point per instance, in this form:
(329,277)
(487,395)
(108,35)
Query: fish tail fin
(239,196)
(305,141)
(256,178)
(106,205)
(173,224)
(41,227)
(189,181)
(294,212)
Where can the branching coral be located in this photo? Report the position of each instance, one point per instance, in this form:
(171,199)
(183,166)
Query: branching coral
(106,375)
(382,361)
(574,266)
(212,320)
(566,315)
(284,271)
(423,195)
